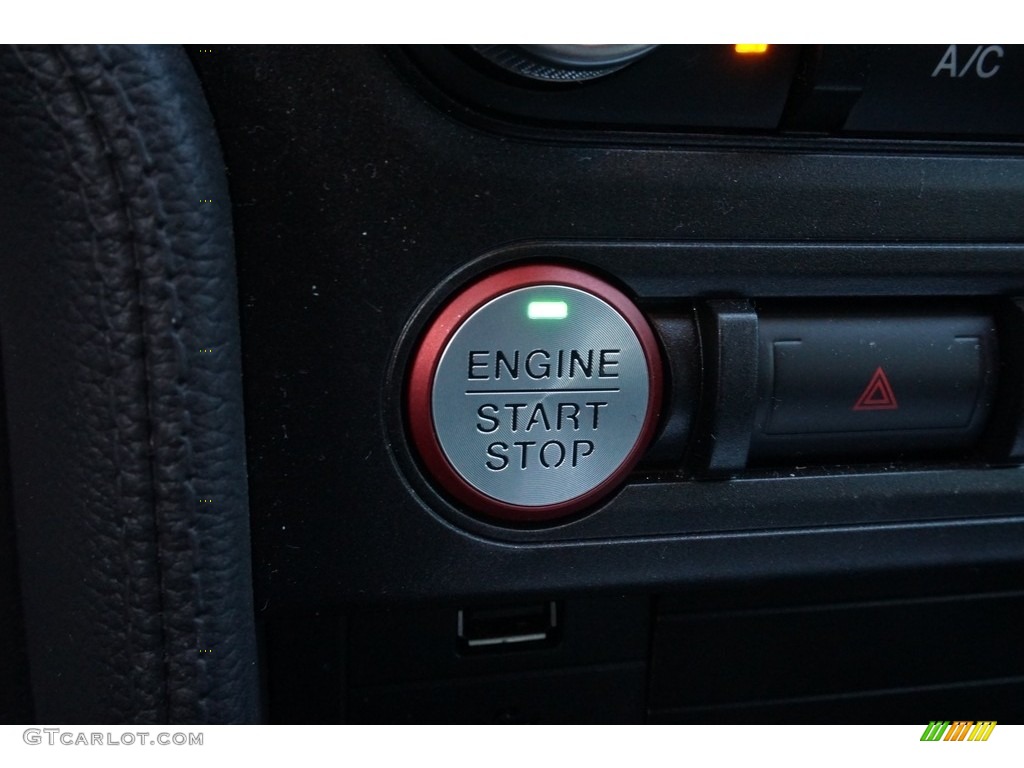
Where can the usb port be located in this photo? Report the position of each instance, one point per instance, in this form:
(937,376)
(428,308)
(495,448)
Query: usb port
(519,625)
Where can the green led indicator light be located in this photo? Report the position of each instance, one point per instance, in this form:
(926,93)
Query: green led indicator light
(547,310)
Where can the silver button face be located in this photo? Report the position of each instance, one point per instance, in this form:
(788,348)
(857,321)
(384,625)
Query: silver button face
(540,396)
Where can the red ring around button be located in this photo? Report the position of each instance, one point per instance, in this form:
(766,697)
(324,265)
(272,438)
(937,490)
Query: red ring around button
(435,341)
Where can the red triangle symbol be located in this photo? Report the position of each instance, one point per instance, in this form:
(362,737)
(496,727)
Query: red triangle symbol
(877,395)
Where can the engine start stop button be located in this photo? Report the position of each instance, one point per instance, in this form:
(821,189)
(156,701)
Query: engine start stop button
(534,392)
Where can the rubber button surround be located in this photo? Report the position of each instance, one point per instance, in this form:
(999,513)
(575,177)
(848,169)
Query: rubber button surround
(534,392)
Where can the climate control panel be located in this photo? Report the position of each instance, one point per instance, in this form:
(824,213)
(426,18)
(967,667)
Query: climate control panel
(948,91)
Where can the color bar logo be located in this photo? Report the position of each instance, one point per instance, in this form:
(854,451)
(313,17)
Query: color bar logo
(961,730)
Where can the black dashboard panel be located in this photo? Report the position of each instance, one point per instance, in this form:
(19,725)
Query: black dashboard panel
(830,506)
(390,309)
(365,196)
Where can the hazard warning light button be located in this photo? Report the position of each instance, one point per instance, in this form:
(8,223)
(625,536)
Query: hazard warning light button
(873,384)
